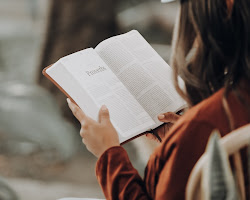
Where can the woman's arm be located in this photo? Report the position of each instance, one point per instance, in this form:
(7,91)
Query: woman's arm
(160,132)
(118,178)
(114,171)
(168,168)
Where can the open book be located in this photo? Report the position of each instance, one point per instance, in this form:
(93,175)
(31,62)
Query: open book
(124,73)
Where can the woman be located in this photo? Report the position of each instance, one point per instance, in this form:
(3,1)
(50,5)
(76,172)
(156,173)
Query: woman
(212,55)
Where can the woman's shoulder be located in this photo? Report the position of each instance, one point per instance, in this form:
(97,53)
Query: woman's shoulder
(209,112)
(196,125)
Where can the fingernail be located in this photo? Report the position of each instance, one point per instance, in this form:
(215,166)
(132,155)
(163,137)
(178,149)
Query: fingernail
(104,108)
(68,100)
(161,116)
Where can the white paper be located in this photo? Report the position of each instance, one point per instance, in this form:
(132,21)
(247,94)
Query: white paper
(145,74)
(98,86)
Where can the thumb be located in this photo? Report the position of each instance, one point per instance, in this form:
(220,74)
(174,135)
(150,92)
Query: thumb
(104,115)
(168,117)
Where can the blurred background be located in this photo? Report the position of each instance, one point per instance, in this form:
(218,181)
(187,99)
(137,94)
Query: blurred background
(41,155)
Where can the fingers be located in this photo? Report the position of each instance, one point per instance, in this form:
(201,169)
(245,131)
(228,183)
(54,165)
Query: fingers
(104,115)
(151,137)
(77,112)
(168,117)
(82,132)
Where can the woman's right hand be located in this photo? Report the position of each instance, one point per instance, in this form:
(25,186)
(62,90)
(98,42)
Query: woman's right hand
(169,119)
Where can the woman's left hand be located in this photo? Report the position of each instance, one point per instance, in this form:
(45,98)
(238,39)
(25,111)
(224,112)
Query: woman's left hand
(97,136)
(169,119)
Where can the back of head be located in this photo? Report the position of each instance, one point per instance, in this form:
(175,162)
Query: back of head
(212,46)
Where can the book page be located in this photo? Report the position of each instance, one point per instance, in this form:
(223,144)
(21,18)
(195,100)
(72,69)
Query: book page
(61,76)
(103,86)
(145,74)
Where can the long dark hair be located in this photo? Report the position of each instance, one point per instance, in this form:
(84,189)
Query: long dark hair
(211,47)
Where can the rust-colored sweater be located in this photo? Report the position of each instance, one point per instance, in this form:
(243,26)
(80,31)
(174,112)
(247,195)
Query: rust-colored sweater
(169,166)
